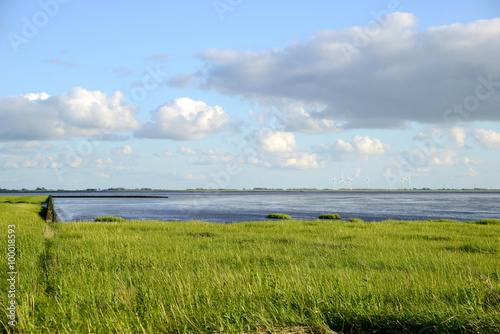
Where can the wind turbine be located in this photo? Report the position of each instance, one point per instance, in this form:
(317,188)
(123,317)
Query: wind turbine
(368,181)
(334,179)
(349,181)
(342,182)
(402,181)
(409,181)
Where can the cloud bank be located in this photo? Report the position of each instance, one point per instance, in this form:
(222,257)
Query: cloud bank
(80,112)
(401,75)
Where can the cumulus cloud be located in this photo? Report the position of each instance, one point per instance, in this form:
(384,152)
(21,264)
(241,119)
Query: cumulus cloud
(458,135)
(186,151)
(362,145)
(488,138)
(469,163)
(108,164)
(38,116)
(209,156)
(185,119)
(402,75)
(302,161)
(25,147)
(164,154)
(275,141)
(124,150)
(24,159)
(275,148)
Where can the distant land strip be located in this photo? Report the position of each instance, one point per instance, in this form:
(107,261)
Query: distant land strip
(108,196)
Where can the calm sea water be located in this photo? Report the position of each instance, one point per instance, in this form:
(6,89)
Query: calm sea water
(228,207)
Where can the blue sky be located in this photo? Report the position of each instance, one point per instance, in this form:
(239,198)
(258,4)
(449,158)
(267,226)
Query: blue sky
(244,94)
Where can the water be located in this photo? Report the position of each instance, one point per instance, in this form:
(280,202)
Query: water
(228,207)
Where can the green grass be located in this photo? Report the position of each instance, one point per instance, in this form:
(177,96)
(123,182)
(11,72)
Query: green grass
(486,221)
(23,199)
(109,219)
(195,277)
(31,235)
(278,216)
(329,216)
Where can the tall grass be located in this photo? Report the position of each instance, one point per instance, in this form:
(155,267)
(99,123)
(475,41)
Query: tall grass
(30,238)
(195,277)
(200,277)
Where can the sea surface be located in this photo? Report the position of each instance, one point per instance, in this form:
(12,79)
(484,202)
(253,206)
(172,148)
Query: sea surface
(229,207)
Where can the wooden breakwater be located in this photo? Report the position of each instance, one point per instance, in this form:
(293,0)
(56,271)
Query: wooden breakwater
(50,216)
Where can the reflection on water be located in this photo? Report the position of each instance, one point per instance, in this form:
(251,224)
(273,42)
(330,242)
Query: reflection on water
(227,207)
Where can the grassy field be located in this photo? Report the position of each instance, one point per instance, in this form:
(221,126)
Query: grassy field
(255,277)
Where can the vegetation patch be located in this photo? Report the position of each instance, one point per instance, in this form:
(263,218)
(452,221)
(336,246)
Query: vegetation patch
(23,199)
(488,221)
(356,220)
(278,216)
(109,219)
(329,216)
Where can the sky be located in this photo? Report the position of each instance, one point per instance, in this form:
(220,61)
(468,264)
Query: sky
(240,94)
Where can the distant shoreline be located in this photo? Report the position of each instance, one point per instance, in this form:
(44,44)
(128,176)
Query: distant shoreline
(144,193)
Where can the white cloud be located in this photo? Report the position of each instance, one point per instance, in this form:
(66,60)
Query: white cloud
(108,164)
(11,165)
(79,112)
(187,175)
(275,148)
(362,146)
(185,119)
(25,147)
(470,163)
(217,151)
(165,154)
(301,161)
(186,151)
(25,159)
(298,118)
(437,157)
(275,141)
(488,138)
(458,135)
(124,150)
(404,74)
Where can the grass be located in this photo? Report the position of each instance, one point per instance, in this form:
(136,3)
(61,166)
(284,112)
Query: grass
(109,219)
(23,199)
(278,216)
(486,221)
(329,216)
(256,277)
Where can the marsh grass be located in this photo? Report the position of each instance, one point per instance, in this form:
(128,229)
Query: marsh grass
(260,277)
(329,216)
(486,221)
(109,219)
(278,216)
